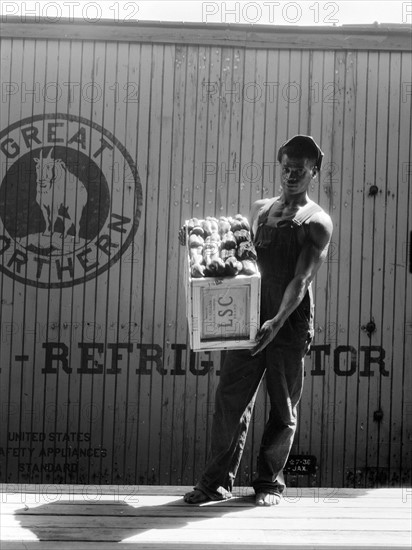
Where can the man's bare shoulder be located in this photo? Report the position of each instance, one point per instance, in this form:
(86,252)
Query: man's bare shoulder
(321,218)
(256,207)
(320,226)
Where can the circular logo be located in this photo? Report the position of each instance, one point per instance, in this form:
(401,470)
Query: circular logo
(70,200)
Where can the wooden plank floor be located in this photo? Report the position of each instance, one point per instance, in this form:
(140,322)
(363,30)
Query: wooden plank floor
(80,517)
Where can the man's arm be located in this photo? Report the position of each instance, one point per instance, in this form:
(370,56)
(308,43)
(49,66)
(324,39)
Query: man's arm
(312,256)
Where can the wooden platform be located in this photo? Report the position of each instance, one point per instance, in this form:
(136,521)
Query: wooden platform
(45,517)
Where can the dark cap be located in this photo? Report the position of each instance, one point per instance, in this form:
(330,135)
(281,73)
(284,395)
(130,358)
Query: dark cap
(308,145)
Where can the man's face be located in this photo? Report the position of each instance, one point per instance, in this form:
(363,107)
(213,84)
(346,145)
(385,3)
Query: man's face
(297,173)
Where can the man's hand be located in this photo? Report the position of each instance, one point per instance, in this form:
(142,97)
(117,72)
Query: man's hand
(265,335)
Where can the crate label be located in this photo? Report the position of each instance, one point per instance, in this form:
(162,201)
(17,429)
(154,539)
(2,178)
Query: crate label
(225,313)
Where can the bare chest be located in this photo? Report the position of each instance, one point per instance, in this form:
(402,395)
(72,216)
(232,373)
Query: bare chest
(282,215)
(280,212)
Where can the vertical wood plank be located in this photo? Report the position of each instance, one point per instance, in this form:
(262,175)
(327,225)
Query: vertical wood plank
(272,140)
(5,284)
(403,336)
(137,392)
(349,252)
(147,368)
(339,299)
(378,452)
(215,83)
(57,407)
(92,312)
(77,410)
(184,398)
(354,322)
(6,310)
(173,363)
(128,327)
(175,306)
(13,291)
(324,91)
(250,156)
(366,384)
(389,436)
(163,267)
(313,398)
(301,97)
(108,466)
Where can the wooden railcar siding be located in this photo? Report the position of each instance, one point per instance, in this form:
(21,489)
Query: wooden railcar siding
(97,381)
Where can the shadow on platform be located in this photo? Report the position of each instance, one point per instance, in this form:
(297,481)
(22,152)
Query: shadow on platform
(80,521)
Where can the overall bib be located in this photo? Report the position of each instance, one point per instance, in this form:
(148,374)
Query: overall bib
(278,247)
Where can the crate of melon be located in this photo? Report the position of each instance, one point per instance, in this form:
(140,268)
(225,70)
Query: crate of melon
(222,284)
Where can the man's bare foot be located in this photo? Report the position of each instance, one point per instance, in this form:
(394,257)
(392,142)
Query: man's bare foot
(267,499)
(196,497)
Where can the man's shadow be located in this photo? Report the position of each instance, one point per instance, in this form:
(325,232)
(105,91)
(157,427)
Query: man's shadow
(116,520)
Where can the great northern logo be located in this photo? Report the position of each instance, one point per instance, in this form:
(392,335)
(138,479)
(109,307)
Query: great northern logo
(70,200)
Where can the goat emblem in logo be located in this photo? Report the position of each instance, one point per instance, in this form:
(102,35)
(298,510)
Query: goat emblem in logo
(64,216)
(56,190)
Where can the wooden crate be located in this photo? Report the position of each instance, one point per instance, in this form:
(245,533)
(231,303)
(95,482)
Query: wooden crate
(222,313)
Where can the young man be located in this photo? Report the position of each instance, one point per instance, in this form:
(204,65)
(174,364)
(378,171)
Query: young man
(291,235)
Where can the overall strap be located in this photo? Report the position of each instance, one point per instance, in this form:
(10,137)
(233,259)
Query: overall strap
(306,212)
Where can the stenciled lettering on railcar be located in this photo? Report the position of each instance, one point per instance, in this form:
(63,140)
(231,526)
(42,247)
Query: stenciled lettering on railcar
(70,200)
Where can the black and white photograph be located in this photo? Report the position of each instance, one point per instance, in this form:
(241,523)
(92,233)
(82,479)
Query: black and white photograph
(205,275)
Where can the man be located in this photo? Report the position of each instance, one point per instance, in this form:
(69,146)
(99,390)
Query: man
(291,234)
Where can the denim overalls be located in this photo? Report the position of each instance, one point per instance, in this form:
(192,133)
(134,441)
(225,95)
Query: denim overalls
(278,247)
